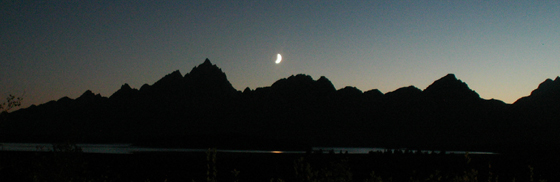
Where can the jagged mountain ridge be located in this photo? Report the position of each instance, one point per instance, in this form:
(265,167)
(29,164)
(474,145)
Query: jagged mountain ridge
(293,111)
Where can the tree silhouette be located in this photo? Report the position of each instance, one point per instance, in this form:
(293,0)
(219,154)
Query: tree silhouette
(11,102)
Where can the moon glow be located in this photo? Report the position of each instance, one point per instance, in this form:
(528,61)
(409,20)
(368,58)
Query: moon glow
(278,59)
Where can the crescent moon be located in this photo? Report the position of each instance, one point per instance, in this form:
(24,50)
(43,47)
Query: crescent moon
(278,59)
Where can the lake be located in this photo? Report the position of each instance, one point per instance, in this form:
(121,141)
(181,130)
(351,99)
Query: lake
(130,149)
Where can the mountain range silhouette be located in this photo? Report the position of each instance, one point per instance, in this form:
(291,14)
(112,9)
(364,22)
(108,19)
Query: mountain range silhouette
(203,109)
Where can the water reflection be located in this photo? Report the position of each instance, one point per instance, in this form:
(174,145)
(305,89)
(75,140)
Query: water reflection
(367,150)
(120,149)
(129,149)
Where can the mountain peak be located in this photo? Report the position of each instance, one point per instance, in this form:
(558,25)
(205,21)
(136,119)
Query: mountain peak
(349,90)
(305,85)
(547,88)
(125,91)
(449,76)
(126,87)
(548,83)
(299,79)
(546,92)
(326,84)
(207,62)
(204,69)
(207,77)
(205,66)
(404,94)
(450,88)
(87,94)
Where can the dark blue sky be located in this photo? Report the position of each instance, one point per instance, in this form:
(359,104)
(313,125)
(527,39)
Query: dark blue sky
(502,49)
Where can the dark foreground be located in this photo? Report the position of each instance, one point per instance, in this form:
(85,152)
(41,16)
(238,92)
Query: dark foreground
(200,166)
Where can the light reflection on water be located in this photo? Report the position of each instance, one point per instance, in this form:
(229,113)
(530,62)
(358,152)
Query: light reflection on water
(129,149)
(367,150)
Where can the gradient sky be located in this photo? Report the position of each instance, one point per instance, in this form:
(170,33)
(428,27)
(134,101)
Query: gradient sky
(501,49)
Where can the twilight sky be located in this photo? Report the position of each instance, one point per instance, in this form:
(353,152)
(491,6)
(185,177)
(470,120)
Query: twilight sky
(501,49)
